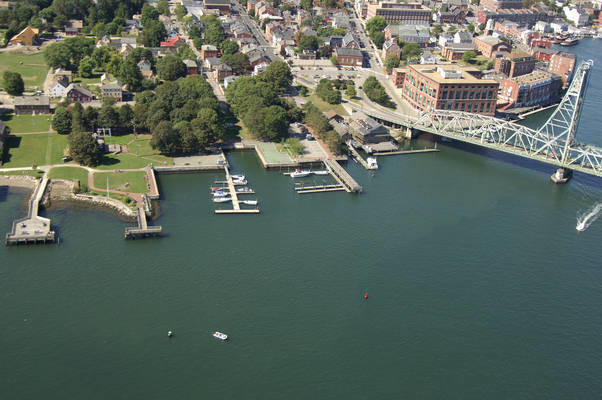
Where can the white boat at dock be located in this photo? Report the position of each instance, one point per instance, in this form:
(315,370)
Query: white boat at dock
(372,164)
(221,194)
(249,202)
(298,173)
(323,172)
(237,177)
(244,190)
(222,199)
(239,182)
(220,336)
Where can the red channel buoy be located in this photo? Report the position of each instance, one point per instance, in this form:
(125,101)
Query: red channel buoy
(365,296)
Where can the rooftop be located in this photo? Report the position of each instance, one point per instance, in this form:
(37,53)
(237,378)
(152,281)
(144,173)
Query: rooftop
(31,101)
(348,52)
(450,73)
(536,76)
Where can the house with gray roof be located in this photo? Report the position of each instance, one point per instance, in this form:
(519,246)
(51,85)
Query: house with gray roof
(31,105)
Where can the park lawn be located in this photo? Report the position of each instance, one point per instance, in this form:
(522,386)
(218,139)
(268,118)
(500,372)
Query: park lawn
(26,123)
(33,70)
(324,106)
(141,148)
(127,181)
(35,149)
(36,173)
(69,173)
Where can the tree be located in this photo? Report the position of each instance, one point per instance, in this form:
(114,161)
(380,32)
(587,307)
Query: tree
(333,60)
(351,92)
(126,116)
(108,117)
(171,68)
(309,42)
(180,11)
(86,67)
(392,61)
(188,140)
(238,61)
(149,13)
(84,149)
(163,7)
(165,138)
(376,24)
(153,33)
(327,93)
(303,91)
(130,74)
(89,118)
(214,32)
(278,73)
(228,47)
(56,56)
(437,30)
(410,50)
(468,57)
(307,4)
(376,92)
(13,83)
(378,38)
(62,121)
(470,28)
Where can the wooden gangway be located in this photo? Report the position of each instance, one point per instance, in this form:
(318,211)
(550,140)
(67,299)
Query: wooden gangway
(393,153)
(33,228)
(342,176)
(143,230)
(358,157)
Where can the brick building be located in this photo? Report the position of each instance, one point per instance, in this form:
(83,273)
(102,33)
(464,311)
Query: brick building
(223,6)
(453,87)
(391,47)
(352,57)
(514,64)
(406,13)
(521,15)
(397,77)
(563,64)
(78,94)
(112,89)
(489,45)
(536,88)
(208,51)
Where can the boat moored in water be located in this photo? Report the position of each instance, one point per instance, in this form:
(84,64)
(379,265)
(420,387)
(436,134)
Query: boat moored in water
(249,202)
(222,199)
(569,42)
(243,190)
(372,164)
(239,182)
(238,177)
(323,172)
(221,336)
(298,173)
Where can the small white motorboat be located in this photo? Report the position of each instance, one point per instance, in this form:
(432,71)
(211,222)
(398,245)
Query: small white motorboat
(323,172)
(220,336)
(249,202)
(222,199)
(243,190)
(372,164)
(221,194)
(238,177)
(169,333)
(239,182)
(299,173)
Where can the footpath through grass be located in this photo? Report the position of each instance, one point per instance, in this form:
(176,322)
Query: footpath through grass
(139,154)
(324,106)
(26,123)
(128,181)
(36,173)
(36,149)
(70,174)
(32,67)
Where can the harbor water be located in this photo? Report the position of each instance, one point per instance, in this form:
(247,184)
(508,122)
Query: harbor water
(479,285)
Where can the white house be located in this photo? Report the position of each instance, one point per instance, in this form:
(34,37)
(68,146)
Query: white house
(542,26)
(575,15)
(58,90)
(559,26)
(259,69)
(427,58)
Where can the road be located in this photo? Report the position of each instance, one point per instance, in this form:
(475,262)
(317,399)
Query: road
(264,44)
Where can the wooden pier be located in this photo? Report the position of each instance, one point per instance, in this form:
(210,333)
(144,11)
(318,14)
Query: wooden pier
(319,188)
(342,177)
(33,228)
(142,230)
(393,153)
(359,158)
(234,196)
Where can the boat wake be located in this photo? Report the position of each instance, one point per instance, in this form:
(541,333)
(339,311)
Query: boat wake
(588,218)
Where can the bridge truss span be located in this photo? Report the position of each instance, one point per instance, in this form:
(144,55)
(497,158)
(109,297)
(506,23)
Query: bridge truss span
(554,143)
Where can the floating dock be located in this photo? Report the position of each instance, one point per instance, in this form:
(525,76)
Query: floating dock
(234,196)
(393,153)
(319,188)
(344,179)
(142,230)
(33,228)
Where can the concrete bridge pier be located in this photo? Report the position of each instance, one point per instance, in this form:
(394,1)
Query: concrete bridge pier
(409,133)
(562,175)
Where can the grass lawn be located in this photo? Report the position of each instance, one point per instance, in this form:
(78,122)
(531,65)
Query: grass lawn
(69,173)
(38,173)
(33,68)
(26,123)
(128,201)
(324,106)
(129,181)
(36,149)
(243,132)
(139,155)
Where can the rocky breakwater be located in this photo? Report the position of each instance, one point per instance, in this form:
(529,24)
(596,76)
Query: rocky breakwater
(61,192)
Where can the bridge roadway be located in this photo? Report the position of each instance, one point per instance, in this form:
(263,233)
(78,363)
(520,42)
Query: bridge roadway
(554,143)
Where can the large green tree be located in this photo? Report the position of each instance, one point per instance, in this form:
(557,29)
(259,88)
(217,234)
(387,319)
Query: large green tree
(171,68)
(165,138)
(153,33)
(62,121)
(84,149)
(278,73)
(238,61)
(12,82)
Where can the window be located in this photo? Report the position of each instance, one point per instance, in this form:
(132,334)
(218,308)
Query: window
(458,93)
(488,106)
(465,94)
(482,106)
(444,96)
(471,95)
